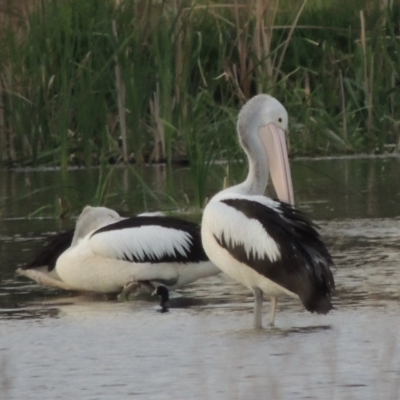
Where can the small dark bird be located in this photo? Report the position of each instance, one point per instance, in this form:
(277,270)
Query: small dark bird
(163,292)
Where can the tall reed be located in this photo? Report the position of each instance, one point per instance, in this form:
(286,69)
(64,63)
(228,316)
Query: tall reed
(92,82)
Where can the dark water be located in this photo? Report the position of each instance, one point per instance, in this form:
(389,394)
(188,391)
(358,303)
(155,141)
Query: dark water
(58,345)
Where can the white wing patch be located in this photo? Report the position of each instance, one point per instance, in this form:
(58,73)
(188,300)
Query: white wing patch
(144,242)
(237,229)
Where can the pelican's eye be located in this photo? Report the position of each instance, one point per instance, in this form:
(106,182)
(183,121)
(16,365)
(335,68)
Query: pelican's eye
(280,120)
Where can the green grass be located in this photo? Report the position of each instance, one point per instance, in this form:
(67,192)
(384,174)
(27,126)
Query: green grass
(184,69)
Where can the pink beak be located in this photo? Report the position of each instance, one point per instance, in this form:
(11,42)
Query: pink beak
(274,141)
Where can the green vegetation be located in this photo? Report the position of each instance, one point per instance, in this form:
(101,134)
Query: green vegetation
(94,82)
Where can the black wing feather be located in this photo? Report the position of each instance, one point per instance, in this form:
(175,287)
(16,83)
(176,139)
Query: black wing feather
(55,246)
(304,266)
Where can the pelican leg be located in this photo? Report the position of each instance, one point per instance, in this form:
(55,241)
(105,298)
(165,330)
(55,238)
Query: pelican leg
(146,287)
(128,288)
(258,302)
(135,287)
(273,308)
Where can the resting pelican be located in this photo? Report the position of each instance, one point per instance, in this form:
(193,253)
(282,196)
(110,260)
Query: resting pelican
(107,253)
(268,245)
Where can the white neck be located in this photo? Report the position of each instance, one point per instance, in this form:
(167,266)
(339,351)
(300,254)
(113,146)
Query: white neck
(80,231)
(257,178)
(93,218)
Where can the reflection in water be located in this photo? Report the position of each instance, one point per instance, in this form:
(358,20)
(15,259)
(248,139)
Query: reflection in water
(28,313)
(203,348)
(348,188)
(304,329)
(327,189)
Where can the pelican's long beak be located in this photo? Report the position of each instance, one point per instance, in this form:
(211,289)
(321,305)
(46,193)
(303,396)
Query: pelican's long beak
(274,142)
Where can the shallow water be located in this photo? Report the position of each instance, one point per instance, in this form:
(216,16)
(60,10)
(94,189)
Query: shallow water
(58,345)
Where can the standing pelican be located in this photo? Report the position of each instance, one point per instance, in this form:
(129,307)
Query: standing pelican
(268,245)
(108,253)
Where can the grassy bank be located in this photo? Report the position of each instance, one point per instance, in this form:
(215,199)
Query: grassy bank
(99,82)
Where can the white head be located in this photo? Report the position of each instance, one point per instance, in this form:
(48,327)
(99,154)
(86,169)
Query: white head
(261,125)
(92,218)
(259,111)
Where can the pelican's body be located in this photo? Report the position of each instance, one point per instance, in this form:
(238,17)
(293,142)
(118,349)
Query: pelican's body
(266,244)
(107,252)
